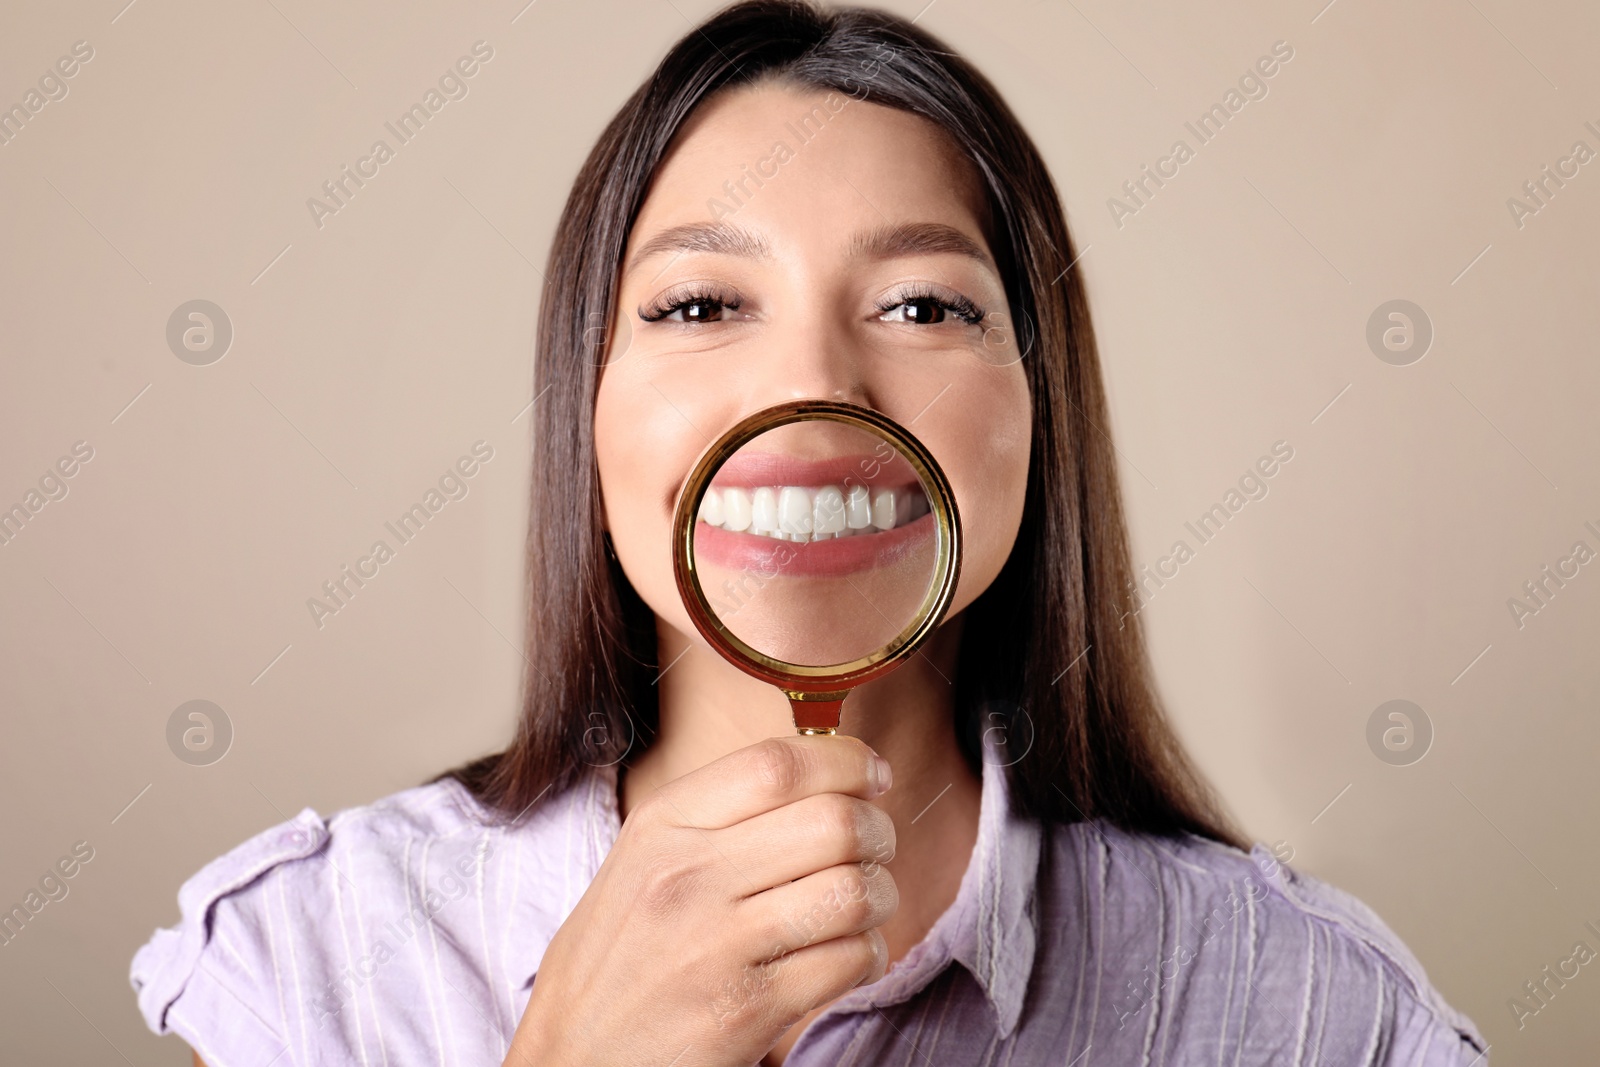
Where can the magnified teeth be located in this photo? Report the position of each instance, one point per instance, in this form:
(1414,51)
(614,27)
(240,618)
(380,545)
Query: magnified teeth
(735,509)
(884,508)
(764,512)
(858,508)
(711,508)
(812,513)
(827,518)
(795,510)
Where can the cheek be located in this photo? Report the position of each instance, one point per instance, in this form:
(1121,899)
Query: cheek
(643,447)
(988,439)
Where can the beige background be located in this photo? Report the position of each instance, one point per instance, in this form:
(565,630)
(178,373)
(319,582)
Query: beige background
(370,353)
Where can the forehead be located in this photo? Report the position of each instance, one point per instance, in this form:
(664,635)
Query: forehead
(811,165)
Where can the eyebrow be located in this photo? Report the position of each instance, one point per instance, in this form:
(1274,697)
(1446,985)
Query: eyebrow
(893,240)
(889,241)
(719,238)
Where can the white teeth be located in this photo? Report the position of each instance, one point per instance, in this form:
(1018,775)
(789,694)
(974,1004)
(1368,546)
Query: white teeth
(827,519)
(711,508)
(764,512)
(884,508)
(795,509)
(858,508)
(735,509)
(803,513)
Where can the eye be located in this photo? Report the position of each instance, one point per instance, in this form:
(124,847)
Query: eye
(690,306)
(926,308)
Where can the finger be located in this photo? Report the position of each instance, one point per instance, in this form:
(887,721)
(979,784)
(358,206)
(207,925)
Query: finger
(769,774)
(810,835)
(836,902)
(792,985)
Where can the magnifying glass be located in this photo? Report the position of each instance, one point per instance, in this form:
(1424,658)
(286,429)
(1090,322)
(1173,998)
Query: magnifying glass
(816,546)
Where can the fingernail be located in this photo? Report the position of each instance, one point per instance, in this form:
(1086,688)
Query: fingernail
(882,775)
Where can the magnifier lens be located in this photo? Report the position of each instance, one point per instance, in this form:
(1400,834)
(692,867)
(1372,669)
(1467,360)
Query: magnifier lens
(815,543)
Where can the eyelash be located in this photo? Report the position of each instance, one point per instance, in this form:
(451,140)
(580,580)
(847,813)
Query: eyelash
(959,306)
(674,301)
(678,299)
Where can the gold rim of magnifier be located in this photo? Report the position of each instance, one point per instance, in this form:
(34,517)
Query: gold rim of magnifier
(834,681)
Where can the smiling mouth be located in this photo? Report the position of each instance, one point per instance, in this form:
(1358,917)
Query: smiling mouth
(770,512)
(803,513)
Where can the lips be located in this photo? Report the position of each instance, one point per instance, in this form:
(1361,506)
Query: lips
(768,557)
(773,513)
(748,467)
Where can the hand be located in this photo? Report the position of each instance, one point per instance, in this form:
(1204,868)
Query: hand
(735,900)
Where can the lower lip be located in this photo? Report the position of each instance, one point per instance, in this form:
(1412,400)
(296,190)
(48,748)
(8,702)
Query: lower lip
(832,558)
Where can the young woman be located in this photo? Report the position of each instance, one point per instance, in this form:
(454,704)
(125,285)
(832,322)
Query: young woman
(1008,860)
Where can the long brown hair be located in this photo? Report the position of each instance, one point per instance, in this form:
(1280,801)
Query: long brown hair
(1048,654)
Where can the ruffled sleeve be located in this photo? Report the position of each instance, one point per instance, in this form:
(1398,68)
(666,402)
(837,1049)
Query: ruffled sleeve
(211,979)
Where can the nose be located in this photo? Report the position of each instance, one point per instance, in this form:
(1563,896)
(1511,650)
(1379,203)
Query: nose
(813,361)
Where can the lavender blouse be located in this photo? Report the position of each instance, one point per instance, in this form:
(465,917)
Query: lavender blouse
(410,931)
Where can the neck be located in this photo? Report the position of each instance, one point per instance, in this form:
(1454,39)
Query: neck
(709,708)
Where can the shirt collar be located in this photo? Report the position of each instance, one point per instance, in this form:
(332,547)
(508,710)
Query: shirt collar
(998,944)
(990,928)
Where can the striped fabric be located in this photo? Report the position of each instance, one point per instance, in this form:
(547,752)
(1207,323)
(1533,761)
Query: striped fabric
(409,932)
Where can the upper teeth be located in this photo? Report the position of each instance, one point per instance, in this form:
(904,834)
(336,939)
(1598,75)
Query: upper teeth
(801,513)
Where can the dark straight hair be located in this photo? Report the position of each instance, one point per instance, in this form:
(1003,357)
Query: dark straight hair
(1048,654)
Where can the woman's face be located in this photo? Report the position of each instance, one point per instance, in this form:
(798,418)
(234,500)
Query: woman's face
(804,244)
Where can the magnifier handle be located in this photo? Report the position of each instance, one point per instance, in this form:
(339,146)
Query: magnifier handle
(816,716)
